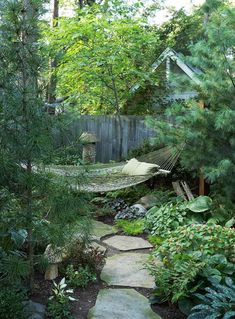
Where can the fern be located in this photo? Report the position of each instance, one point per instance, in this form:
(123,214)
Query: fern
(13,267)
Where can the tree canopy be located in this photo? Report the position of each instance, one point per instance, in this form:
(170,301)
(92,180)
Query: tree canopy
(100,57)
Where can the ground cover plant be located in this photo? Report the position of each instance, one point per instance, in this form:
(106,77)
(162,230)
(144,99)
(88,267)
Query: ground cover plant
(134,227)
(161,220)
(80,277)
(192,256)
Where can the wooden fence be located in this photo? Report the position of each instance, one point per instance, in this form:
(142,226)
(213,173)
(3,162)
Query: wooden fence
(106,128)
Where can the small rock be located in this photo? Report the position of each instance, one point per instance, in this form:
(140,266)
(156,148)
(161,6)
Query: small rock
(35,310)
(140,210)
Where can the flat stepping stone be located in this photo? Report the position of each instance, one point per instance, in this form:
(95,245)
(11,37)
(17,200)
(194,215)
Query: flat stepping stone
(100,230)
(121,304)
(125,243)
(127,269)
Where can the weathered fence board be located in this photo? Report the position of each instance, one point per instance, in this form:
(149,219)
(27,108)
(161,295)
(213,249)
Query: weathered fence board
(134,132)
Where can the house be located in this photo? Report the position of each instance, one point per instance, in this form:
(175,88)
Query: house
(173,71)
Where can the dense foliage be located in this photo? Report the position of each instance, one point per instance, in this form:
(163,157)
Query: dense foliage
(190,256)
(162,220)
(209,132)
(104,52)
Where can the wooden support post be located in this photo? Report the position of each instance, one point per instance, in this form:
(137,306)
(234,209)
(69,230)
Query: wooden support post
(201,178)
(201,185)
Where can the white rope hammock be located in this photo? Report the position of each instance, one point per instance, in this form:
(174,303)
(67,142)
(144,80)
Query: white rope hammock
(110,176)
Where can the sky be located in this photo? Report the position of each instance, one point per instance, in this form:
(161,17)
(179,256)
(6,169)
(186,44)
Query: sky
(163,15)
(188,5)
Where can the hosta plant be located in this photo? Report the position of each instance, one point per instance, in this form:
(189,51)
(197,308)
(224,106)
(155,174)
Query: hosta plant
(217,303)
(161,220)
(59,302)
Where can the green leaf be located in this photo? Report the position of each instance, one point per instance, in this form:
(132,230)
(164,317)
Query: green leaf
(230,222)
(213,316)
(200,204)
(198,315)
(19,236)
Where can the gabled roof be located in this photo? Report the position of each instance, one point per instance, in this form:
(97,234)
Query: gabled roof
(171,54)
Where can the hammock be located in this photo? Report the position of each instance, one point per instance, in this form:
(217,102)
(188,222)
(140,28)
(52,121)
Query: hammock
(109,177)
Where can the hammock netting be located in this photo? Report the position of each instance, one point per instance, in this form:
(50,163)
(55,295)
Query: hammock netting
(109,177)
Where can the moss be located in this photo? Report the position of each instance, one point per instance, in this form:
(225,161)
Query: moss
(131,227)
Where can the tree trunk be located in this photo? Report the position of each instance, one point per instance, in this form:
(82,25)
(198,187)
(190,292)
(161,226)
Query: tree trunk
(30,229)
(52,81)
(29,88)
(117,107)
(81,4)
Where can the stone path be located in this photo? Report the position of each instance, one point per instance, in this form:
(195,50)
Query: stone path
(124,267)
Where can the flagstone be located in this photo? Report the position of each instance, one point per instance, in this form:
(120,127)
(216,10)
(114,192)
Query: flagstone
(127,269)
(121,304)
(125,243)
(101,230)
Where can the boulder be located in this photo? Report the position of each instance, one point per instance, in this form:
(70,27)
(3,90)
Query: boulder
(147,201)
(134,212)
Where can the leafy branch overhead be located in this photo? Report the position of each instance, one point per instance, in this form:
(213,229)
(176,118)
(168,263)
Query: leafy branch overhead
(100,58)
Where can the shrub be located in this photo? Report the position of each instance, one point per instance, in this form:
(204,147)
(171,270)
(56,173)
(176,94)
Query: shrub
(80,255)
(11,303)
(133,227)
(164,196)
(190,256)
(131,194)
(218,302)
(80,277)
(203,238)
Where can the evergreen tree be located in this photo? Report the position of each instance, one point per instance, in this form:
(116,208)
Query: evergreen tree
(44,208)
(209,132)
